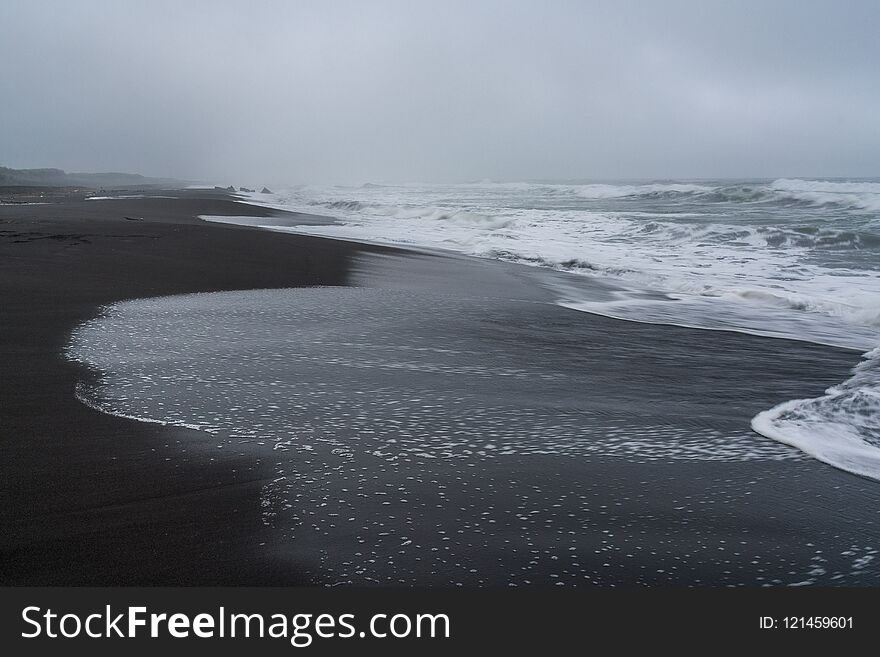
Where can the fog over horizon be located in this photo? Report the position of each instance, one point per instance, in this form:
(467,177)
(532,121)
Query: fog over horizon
(256,93)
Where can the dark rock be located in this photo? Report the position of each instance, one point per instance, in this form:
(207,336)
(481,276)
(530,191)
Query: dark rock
(266,190)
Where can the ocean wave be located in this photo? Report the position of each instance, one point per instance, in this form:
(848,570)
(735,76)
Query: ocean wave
(854,195)
(653,190)
(829,186)
(862,315)
(813,313)
(786,192)
(738,194)
(803,236)
(748,247)
(351,206)
(464,218)
(809,237)
(457,217)
(841,428)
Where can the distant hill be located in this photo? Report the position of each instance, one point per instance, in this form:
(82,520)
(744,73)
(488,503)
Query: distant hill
(59,178)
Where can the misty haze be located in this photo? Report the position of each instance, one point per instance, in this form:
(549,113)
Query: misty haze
(347,92)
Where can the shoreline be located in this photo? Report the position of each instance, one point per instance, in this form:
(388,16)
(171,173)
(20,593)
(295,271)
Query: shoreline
(78,507)
(84,507)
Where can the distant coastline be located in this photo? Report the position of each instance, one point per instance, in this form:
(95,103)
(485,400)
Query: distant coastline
(49,177)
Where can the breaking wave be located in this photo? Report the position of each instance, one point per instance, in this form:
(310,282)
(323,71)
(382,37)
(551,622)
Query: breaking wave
(841,428)
(856,195)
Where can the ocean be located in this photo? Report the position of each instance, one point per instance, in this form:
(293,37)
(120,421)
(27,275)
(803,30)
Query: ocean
(787,258)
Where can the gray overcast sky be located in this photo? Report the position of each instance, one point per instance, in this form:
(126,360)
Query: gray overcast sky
(287,92)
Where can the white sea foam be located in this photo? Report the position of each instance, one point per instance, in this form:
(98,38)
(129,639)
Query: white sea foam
(841,428)
(129,196)
(173,361)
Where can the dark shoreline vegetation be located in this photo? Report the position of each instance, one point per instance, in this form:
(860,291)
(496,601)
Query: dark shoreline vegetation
(56,178)
(90,498)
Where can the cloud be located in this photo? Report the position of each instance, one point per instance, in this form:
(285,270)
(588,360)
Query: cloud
(348,91)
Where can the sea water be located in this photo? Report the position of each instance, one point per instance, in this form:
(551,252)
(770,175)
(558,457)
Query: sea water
(788,258)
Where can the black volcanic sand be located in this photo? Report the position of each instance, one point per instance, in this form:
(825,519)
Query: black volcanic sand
(531,444)
(87,498)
